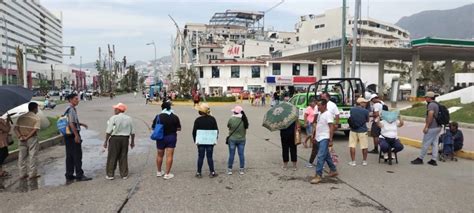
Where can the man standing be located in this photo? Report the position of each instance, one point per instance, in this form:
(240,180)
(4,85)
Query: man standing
(358,135)
(430,131)
(324,133)
(332,108)
(118,134)
(4,133)
(73,142)
(377,107)
(26,129)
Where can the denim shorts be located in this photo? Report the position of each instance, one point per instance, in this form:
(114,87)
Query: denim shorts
(169,141)
(309,128)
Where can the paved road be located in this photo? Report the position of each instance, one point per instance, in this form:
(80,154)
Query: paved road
(265,187)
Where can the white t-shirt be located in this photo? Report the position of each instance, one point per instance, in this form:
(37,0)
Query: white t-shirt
(389,130)
(322,128)
(332,108)
(378,107)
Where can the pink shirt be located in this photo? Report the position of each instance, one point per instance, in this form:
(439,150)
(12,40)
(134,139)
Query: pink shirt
(310,112)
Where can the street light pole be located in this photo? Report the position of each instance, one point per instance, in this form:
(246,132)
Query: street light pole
(155,79)
(7,50)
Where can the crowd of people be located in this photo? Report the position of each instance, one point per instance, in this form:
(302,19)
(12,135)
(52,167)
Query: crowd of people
(321,119)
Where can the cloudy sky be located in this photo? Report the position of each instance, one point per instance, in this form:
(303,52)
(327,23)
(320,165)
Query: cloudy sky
(130,24)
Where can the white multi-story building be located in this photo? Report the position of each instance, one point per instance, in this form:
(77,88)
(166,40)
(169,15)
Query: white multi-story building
(313,29)
(234,76)
(27,22)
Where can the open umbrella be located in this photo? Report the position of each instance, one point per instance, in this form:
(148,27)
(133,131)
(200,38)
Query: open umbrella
(280,116)
(12,96)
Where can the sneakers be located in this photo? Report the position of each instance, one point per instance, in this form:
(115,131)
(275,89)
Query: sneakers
(417,161)
(168,176)
(432,162)
(309,165)
(109,178)
(364,163)
(159,173)
(198,175)
(229,171)
(385,156)
(333,174)
(125,178)
(316,179)
(352,163)
(374,151)
(213,175)
(242,171)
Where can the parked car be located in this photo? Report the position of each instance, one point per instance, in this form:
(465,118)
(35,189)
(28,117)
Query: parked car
(53,93)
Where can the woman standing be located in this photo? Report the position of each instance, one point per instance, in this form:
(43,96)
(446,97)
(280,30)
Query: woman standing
(205,122)
(288,145)
(238,125)
(171,125)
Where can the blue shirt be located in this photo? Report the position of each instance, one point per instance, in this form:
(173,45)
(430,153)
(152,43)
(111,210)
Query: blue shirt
(359,117)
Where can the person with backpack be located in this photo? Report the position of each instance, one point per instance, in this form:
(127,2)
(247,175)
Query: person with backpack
(238,125)
(359,117)
(120,133)
(432,129)
(205,122)
(73,142)
(166,145)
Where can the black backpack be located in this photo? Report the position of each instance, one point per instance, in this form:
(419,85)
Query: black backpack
(442,118)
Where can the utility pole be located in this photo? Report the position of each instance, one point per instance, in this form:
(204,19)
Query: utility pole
(189,55)
(355,30)
(266,11)
(343,40)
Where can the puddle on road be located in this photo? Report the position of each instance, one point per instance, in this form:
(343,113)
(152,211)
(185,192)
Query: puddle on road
(52,169)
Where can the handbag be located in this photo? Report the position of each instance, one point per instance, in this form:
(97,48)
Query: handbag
(297,135)
(227,138)
(10,140)
(158,133)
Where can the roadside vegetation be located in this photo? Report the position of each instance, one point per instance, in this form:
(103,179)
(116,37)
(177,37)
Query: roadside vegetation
(465,114)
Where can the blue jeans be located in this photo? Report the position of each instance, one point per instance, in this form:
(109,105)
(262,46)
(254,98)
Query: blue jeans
(240,145)
(324,156)
(430,139)
(205,150)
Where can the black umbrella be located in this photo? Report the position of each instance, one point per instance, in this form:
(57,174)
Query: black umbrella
(13,96)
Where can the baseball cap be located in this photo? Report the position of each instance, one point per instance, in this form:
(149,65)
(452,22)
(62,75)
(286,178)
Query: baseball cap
(373,96)
(121,107)
(237,109)
(430,94)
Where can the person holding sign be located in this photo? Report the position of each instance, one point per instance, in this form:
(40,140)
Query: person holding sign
(205,133)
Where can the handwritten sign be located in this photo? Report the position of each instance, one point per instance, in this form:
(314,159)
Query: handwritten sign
(206,137)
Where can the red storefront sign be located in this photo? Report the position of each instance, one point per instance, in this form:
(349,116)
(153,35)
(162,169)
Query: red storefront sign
(236,89)
(304,80)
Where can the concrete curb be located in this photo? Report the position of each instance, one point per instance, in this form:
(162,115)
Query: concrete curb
(422,120)
(416,143)
(13,155)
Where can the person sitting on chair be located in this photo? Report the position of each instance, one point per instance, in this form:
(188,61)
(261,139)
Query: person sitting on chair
(388,139)
(458,138)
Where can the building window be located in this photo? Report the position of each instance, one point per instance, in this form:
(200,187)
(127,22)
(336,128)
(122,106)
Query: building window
(201,72)
(271,49)
(215,72)
(276,69)
(212,50)
(297,38)
(255,72)
(310,69)
(235,72)
(324,70)
(296,69)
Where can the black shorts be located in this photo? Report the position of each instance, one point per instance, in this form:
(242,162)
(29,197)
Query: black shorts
(3,154)
(196,102)
(375,130)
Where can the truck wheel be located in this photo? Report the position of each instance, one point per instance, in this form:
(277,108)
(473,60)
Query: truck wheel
(346,132)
